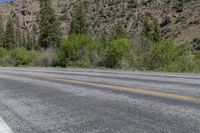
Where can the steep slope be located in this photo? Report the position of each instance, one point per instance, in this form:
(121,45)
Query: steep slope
(179,19)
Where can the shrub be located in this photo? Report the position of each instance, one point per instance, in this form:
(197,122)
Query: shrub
(197,59)
(76,48)
(47,57)
(7,60)
(3,52)
(186,59)
(5,57)
(161,54)
(23,57)
(178,6)
(167,56)
(196,43)
(116,50)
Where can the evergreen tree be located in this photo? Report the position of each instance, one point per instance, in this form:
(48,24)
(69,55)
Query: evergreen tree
(18,36)
(1,32)
(151,28)
(9,36)
(50,33)
(34,36)
(78,24)
(156,31)
(147,27)
(28,41)
(24,44)
(119,32)
(34,42)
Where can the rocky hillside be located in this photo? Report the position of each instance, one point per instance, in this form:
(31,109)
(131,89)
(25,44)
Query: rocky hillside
(179,19)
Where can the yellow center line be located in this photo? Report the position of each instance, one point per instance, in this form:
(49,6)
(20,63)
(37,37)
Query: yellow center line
(120,88)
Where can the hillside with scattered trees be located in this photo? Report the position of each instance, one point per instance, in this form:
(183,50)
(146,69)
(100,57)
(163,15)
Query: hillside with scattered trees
(123,34)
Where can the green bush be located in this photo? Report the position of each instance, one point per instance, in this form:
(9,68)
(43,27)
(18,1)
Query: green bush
(23,57)
(197,59)
(5,57)
(167,56)
(76,48)
(116,51)
(178,6)
(161,54)
(186,59)
(3,52)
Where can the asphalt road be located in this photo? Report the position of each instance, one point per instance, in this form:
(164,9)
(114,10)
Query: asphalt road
(39,100)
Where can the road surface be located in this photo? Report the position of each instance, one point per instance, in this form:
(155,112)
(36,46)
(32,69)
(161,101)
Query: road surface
(39,100)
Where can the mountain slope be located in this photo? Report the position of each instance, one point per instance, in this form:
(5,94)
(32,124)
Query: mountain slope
(179,19)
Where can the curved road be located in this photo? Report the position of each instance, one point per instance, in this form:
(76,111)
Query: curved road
(39,100)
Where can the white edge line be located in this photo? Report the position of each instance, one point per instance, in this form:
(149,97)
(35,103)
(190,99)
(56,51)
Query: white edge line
(4,128)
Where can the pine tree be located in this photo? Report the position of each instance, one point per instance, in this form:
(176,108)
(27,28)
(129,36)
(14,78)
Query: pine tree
(119,32)
(1,32)
(18,36)
(151,28)
(34,37)
(156,31)
(50,33)
(79,24)
(28,41)
(9,36)
(24,44)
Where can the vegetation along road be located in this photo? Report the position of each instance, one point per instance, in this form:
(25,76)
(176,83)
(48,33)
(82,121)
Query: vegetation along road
(53,100)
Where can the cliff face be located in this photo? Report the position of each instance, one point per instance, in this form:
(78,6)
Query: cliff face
(179,19)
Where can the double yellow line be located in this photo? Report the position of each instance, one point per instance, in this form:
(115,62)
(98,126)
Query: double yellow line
(119,88)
